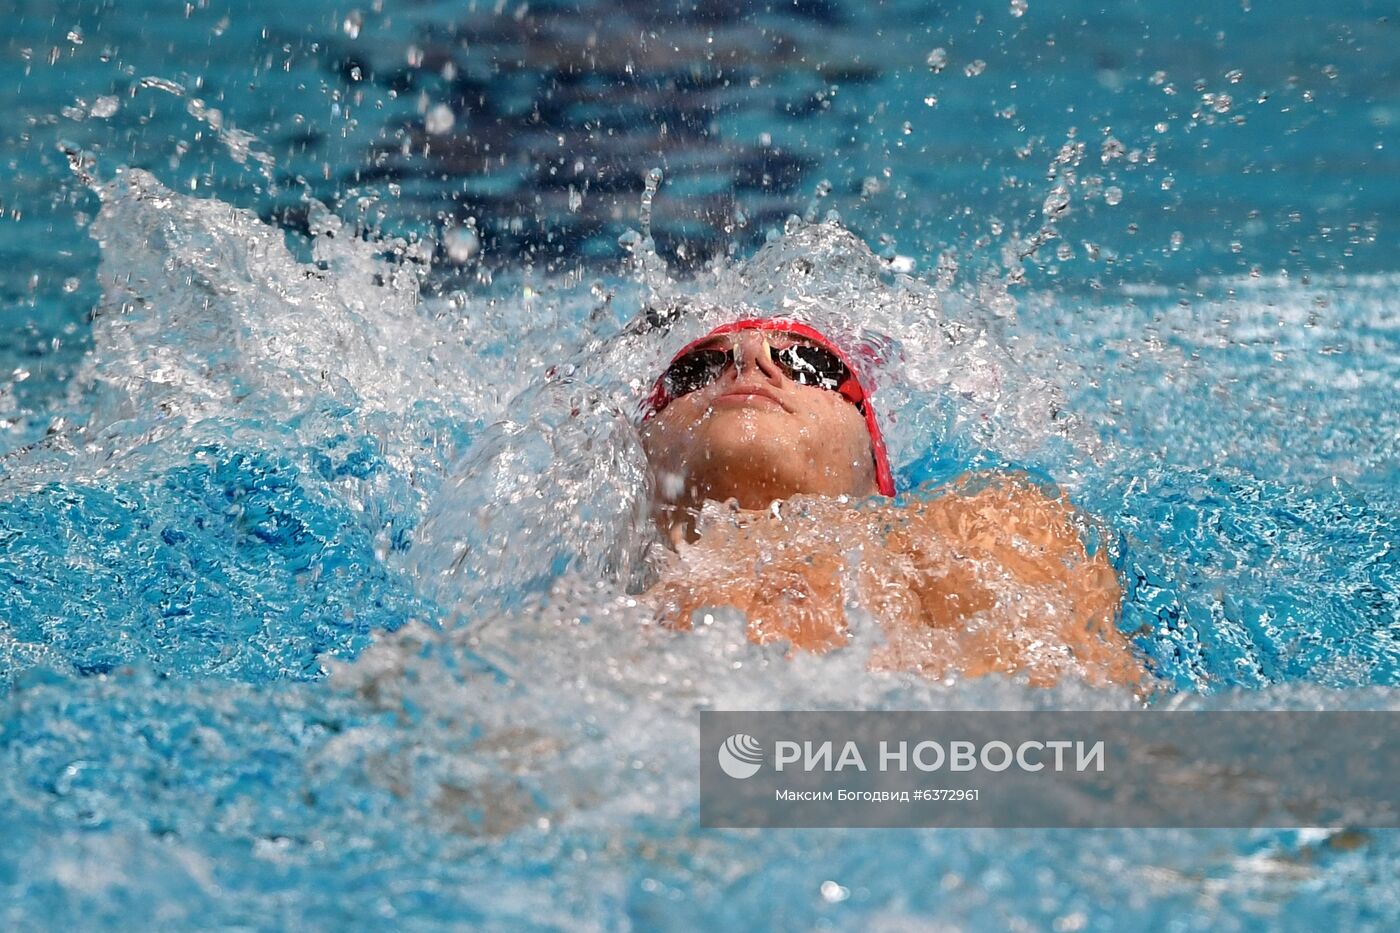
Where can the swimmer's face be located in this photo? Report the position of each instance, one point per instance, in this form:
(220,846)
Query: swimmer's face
(756,435)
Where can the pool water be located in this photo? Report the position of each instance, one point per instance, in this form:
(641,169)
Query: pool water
(321,495)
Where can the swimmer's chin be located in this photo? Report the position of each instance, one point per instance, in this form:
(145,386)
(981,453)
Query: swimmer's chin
(753,482)
(746,413)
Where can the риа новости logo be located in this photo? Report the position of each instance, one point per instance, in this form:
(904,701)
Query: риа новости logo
(740,756)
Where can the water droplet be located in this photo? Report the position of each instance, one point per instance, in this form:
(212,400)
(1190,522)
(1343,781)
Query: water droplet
(1330,71)
(575,199)
(1220,103)
(1112,149)
(1234,76)
(1158,78)
(354,21)
(70,285)
(439,120)
(414,56)
(834,893)
(1112,195)
(1070,923)
(462,244)
(1018,8)
(652,183)
(975,68)
(931,101)
(937,60)
(104,107)
(1064,252)
(1177,239)
(1056,202)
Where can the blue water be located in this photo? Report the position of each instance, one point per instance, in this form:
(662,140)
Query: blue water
(237,687)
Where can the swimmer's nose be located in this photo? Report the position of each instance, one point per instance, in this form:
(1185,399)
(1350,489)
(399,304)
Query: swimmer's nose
(755,356)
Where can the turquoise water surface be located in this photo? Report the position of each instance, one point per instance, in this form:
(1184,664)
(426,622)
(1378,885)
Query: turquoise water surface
(297,297)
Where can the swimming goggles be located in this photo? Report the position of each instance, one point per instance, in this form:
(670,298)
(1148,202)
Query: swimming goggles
(805,363)
(804,354)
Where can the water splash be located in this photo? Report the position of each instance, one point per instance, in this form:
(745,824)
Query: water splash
(652,185)
(239,143)
(569,447)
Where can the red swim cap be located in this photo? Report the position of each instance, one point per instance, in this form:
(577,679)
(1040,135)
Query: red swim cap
(855,389)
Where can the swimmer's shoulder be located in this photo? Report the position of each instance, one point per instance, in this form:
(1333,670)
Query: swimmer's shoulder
(986,505)
(988,488)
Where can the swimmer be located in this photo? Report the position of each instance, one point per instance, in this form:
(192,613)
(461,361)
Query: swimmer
(771,418)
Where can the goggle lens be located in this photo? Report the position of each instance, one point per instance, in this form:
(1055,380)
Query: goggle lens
(812,366)
(694,371)
(803,363)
